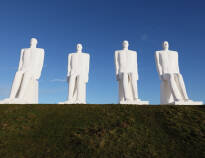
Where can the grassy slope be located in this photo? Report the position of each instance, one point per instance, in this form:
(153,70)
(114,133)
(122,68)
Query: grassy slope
(66,131)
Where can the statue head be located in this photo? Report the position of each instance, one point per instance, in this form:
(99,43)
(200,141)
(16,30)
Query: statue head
(165,45)
(125,44)
(79,47)
(33,42)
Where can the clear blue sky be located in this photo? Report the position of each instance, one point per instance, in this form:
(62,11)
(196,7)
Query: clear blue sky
(101,26)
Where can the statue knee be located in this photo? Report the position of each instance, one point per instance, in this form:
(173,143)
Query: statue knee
(179,75)
(134,76)
(27,75)
(18,73)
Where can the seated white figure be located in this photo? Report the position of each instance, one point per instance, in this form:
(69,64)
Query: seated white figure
(127,75)
(25,84)
(78,71)
(172,88)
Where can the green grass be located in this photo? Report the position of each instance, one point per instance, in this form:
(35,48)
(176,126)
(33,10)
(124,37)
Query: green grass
(98,131)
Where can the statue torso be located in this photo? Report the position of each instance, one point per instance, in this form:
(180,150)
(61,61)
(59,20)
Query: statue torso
(79,62)
(30,58)
(127,60)
(169,61)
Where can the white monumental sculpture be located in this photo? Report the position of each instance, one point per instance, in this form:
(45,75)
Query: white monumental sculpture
(127,75)
(25,84)
(172,88)
(78,71)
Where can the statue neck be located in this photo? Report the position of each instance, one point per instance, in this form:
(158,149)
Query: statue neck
(32,46)
(79,52)
(125,48)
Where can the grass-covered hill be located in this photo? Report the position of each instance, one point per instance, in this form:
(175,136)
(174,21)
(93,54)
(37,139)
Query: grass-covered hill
(98,131)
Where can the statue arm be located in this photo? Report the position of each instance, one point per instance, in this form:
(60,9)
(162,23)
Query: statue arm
(87,68)
(69,65)
(137,76)
(178,64)
(116,63)
(88,64)
(159,68)
(40,64)
(21,62)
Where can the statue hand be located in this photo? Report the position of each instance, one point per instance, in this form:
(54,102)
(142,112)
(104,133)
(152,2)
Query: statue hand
(36,77)
(118,77)
(135,75)
(164,77)
(72,72)
(68,77)
(161,77)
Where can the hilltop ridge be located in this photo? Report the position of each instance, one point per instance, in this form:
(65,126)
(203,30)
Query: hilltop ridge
(115,131)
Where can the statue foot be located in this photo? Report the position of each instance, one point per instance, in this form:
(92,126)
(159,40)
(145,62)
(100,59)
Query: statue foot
(186,102)
(18,101)
(137,100)
(134,102)
(13,101)
(66,102)
(80,102)
(61,103)
(5,101)
(72,102)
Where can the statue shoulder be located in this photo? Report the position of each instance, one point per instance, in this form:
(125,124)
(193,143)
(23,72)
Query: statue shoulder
(172,52)
(175,52)
(24,49)
(158,51)
(41,50)
(132,51)
(159,54)
(70,54)
(118,52)
(86,54)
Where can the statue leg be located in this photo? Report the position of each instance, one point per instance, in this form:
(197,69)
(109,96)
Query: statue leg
(120,91)
(173,86)
(182,86)
(84,93)
(72,80)
(80,89)
(125,86)
(25,82)
(134,85)
(16,84)
(166,96)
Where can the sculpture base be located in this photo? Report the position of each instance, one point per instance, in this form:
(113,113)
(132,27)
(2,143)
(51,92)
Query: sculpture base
(135,102)
(72,102)
(14,101)
(190,102)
